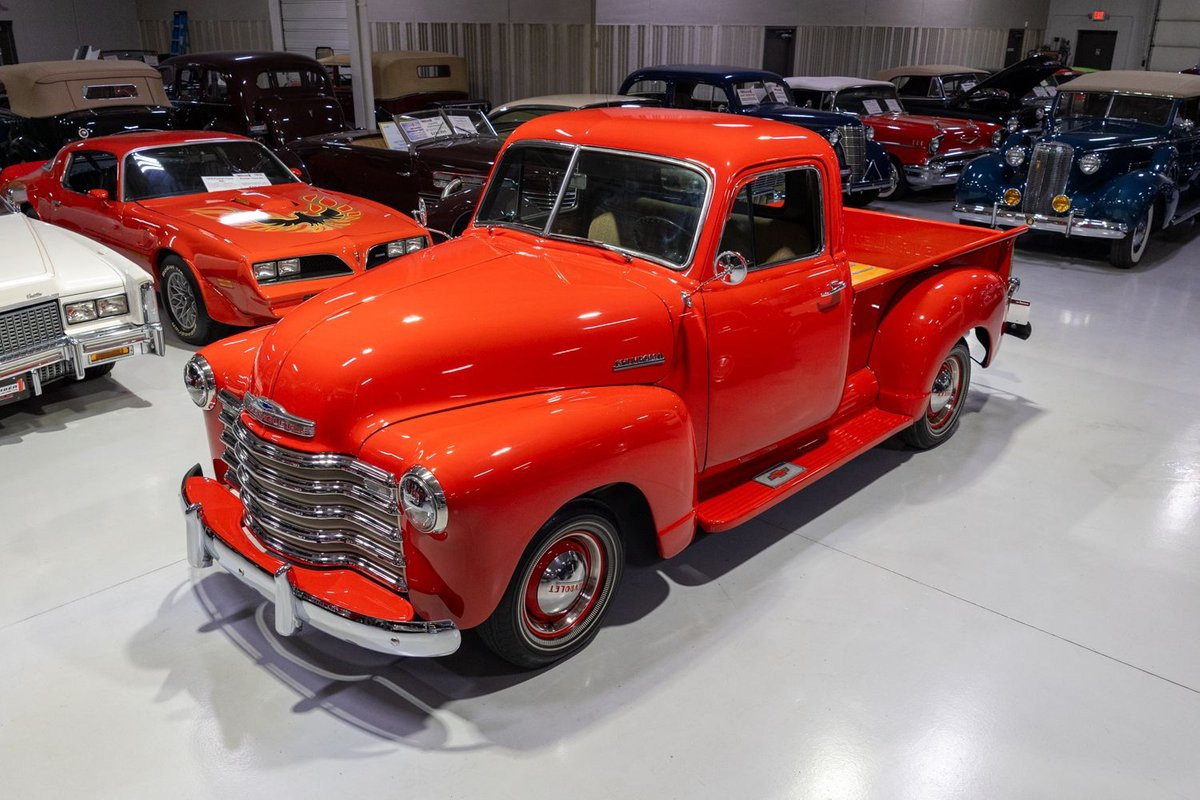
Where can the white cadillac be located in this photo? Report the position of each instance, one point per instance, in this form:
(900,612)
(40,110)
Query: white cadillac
(69,307)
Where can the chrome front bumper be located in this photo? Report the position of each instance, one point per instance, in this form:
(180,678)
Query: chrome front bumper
(939,171)
(81,351)
(295,608)
(1069,225)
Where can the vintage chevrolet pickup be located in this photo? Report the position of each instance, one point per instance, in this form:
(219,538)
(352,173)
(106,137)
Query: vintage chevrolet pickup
(659,322)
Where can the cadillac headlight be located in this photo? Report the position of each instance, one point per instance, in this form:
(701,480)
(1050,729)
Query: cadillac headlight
(200,382)
(1015,157)
(1090,162)
(422,501)
(113,306)
(834,137)
(88,310)
(402,247)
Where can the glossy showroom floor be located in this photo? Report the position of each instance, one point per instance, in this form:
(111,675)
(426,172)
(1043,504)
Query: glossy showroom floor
(1013,615)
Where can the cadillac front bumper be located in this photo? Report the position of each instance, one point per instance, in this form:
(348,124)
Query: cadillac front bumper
(317,598)
(81,351)
(1066,224)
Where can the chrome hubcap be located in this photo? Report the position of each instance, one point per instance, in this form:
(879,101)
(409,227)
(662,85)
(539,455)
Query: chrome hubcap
(947,386)
(561,589)
(181,301)
(1140,233)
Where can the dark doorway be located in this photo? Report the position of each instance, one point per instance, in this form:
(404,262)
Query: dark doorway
(1095,49)
(8,45)
(779,51)
(1014,50)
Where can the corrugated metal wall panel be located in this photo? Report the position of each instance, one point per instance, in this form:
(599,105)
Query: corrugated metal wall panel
(309,24)
(204,34)
(864,51)
(1176,42)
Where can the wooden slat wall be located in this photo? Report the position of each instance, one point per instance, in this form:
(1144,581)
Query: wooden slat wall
(204,34)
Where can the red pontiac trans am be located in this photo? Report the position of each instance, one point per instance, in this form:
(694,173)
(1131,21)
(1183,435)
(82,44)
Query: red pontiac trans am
(231,235)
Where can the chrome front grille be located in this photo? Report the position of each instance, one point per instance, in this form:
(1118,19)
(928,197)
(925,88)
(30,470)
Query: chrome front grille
(1049,168)
(54,372)
(29,329)
(319,509)
(854,149)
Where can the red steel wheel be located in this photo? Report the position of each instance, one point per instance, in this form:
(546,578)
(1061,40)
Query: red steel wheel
(560,590)
(946,398)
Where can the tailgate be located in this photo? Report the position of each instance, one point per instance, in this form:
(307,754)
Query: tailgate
(884,247)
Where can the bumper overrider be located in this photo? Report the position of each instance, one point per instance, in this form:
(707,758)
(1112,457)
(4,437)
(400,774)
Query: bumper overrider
(1067,224)
(90,349)
(302,597)
(865,184)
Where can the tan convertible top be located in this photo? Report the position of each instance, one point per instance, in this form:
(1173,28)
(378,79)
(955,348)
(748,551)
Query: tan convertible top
(395,73)
(1136,81)
(927,69)
(46,88)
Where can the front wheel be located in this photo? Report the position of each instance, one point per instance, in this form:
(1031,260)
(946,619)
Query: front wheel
(184,304)
(899,187)
(946,398)
(1127,252)
(560,590)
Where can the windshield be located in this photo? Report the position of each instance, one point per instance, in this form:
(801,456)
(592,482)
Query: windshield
(959,82)
(752,93)
(636,204)
(436,124)
(201,167)
(869,100)
(1113,106)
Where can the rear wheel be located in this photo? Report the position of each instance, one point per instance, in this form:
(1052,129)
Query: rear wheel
(184,303)
(1127,252)
(946,398)
(560,590)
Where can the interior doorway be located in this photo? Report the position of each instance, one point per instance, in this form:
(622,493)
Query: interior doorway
(779,51)
(8,45)
(1014,51)
(1094,49)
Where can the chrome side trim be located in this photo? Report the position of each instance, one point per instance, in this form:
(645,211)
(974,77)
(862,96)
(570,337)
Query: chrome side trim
(994,216)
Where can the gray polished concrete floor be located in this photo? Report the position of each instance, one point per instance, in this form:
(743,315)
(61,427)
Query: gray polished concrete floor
(1013,615)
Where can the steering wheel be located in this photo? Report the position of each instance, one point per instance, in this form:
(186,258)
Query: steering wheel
(660,236)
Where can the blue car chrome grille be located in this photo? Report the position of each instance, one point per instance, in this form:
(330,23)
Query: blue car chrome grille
(1049,168)
(318,509)
(853,140)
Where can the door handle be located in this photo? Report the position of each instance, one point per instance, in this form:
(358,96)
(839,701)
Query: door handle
(55,203)
(833,295)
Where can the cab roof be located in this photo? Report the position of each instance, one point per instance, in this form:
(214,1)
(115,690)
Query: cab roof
(721,141)
(1136,81)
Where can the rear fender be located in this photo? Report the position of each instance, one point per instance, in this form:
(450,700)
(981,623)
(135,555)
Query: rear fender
(507,467)
(923,325)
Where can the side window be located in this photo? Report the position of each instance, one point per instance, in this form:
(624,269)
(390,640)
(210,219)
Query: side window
(189,87)
(913,85)
(776,218)
(91,169)
(705,97)
(216,87)
(1190,110)
(654,89)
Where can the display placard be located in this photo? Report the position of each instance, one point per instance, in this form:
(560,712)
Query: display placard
(872,106)
(462,124)
(779,94)
(747,96)
(243,180)
(392,136)
(894,106)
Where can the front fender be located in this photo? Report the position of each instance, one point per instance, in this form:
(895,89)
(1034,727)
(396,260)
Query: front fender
(922,326)
(507,467)
(877,157)
(982,181)
(1126,198)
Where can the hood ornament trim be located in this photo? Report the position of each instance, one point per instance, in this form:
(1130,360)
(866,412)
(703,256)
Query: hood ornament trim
(273,415)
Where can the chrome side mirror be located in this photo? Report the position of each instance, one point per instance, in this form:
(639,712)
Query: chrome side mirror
(731,267)
(421,213)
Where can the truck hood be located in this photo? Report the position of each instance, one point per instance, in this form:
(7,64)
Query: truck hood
(42,261)
(476,319)
(294,217)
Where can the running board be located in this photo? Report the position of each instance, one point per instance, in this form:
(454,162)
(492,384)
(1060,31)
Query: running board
(745,501)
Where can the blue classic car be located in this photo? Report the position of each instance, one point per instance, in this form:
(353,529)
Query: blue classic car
(1119,160)
(866,170)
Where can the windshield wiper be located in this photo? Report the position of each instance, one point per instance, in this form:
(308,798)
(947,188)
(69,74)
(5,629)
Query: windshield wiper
(621,251)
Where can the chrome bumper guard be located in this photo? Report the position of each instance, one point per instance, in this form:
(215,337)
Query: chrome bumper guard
(1069,225)
(1016,316)
(295,608)
(78,350)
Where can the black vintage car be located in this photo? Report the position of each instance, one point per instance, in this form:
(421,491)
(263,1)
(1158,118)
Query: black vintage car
(1007,97)
(273,97)
(439,158)
(53,103)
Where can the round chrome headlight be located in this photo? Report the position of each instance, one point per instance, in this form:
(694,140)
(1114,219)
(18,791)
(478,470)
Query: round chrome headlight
(1040,113)
(1090,162)
(1012,124)
(935,143)
(423,501)
(870,133)
(997,138)
(834,137)
(1015,157)
(200,382)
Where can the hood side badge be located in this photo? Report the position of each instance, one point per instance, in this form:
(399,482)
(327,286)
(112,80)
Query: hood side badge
(634,362)
(273,415)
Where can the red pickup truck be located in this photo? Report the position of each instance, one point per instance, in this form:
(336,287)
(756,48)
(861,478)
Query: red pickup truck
(659,322)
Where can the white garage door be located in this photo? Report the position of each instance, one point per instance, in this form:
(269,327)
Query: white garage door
(309,24)
(1176,41)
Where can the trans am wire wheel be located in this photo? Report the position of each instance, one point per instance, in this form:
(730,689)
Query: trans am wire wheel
(560,590)
(1128,252)
(946,398)
(184,303)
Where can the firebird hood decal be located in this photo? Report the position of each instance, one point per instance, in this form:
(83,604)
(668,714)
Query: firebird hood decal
(316,213)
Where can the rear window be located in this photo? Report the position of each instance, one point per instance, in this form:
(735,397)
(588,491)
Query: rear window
(290,79)
(433,71)
(109,91)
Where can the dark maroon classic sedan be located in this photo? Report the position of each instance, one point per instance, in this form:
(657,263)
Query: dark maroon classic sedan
(440,157)
(273,97)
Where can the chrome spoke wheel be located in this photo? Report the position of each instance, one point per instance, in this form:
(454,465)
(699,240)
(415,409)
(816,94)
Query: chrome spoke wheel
(181,300)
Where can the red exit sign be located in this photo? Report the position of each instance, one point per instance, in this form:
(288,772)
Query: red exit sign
(1099,16)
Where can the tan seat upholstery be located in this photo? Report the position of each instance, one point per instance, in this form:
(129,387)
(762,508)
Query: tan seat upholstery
(603,228)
